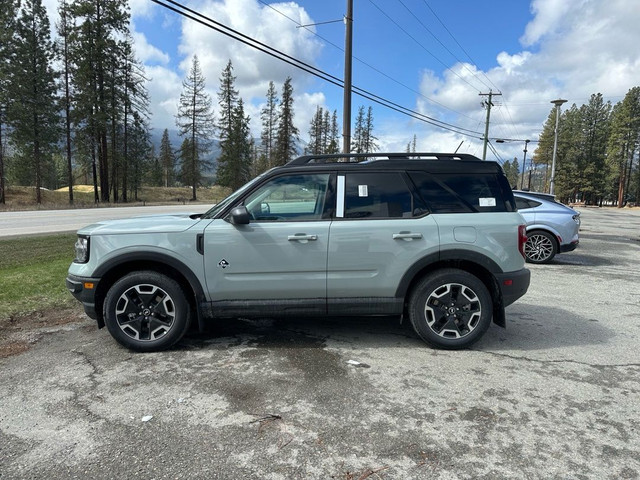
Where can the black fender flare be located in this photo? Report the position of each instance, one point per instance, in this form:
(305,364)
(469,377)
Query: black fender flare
(162,259)
(459,256)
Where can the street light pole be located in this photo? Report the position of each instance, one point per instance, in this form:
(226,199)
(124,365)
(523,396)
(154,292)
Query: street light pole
(557,103)
(524,164)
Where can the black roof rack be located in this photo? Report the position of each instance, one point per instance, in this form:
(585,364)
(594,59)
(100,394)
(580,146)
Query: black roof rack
(373,157)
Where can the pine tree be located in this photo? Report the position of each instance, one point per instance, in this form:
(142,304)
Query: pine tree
(134,102)
(544,151)
(64,31)
(195,121)
(269,117)
(287,137)
(154,174)
(358,140)
(167,160)
(326,131)
(139,153)
(596,119)
(316,133)
(33,113)
(95,44)
(185,156)
(624,141)
(234,163)
(7,44)
(227,100)
(334,136)
(369,141)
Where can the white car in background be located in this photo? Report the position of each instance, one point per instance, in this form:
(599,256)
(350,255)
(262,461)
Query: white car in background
(552,227)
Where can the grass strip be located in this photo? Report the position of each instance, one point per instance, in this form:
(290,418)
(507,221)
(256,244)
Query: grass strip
(32,273)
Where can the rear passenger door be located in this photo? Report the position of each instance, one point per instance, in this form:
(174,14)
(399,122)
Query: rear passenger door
(380,229)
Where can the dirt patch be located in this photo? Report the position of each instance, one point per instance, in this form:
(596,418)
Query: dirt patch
(19,332)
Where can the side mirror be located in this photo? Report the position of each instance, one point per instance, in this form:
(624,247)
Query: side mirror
(240,216)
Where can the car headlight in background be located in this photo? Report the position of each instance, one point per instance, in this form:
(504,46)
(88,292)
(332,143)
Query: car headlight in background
(576,218)
(82,250)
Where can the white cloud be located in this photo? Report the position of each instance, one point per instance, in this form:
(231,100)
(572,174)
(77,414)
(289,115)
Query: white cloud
(164,92)
(252,68)
(146,52)
(548,18)
(142,8)
(573,49)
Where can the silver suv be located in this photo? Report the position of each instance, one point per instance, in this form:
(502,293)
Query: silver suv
(552,227)
(435,237)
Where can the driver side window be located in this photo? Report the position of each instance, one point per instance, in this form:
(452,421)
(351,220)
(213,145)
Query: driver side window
(299,197)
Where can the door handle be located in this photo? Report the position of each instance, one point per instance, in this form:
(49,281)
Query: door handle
(407,236)
(302,237)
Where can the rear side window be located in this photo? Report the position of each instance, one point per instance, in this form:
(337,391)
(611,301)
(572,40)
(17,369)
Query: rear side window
(377,195)
(460,193)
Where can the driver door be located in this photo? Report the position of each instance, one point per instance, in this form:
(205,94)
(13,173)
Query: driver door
(282,253)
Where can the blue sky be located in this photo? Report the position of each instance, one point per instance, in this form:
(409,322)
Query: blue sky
(530,51)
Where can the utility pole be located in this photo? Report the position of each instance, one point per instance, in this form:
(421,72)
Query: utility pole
(488,104)
(346,107)
(524,165)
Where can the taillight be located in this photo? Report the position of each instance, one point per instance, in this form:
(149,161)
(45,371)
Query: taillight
(522,239)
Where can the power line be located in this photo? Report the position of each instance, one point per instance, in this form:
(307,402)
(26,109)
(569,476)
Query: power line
(495,152)
(422,46)
(251,42)
(458,43)
(435,37)
(469,57)
(380,72)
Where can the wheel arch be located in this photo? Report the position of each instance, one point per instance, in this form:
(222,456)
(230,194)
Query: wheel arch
(116,268)
(547,229)
(478,265)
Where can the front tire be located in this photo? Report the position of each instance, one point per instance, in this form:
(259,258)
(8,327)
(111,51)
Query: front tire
(146,311)
(450,309)
(541,247)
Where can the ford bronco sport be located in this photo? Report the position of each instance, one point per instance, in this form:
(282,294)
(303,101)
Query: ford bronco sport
(432,236)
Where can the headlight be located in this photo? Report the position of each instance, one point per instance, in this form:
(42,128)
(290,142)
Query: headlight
(576,218)
(82,250)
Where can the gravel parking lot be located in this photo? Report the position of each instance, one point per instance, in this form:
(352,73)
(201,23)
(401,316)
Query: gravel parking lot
(555,395)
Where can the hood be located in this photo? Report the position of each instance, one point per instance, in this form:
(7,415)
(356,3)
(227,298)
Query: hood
(146,224)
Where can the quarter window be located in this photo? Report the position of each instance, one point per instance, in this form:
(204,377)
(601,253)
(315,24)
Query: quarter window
(524,203)
(459,193)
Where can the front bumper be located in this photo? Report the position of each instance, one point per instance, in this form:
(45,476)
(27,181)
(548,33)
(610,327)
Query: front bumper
(569,248)
(84,289)
(513,285)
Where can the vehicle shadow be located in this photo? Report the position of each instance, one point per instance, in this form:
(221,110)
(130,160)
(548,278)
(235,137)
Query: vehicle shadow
(537,327)
(529,327)
(304,332)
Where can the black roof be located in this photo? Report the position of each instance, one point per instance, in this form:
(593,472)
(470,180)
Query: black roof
(430,162)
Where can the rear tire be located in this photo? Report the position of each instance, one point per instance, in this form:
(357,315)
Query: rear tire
(450,309)
(541,247)
(146,311)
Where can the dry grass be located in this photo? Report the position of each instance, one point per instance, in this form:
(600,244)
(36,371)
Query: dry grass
(24,198)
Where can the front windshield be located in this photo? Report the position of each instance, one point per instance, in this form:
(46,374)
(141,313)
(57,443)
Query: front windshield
(216,209)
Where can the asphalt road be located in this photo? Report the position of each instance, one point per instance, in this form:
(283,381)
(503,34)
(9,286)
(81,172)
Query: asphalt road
(555,395)
(54,221)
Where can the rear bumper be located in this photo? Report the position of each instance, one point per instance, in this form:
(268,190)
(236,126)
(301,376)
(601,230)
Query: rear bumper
(84,290)
(513,285)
